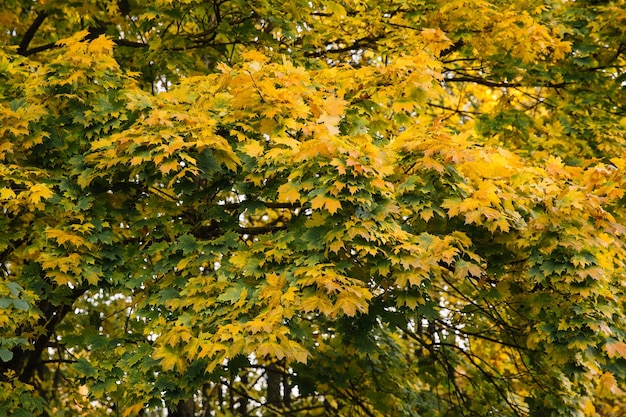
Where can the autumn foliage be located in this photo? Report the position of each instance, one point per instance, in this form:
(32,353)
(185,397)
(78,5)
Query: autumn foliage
(312,208)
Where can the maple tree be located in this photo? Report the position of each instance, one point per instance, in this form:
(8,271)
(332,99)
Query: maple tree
(352,208)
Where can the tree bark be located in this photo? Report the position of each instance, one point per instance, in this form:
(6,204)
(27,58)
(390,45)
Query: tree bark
(184,408)
(274,380)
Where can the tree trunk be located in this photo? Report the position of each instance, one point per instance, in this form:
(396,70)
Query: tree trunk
(184,408)
(274,379)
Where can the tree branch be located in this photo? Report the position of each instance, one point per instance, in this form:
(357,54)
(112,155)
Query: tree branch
(41,48)
(498,84)
(453,48)
(467,112)
(259,230)
(51,319)
(30,33)
(131,44)
(213,231)
(268,204)
(357,44)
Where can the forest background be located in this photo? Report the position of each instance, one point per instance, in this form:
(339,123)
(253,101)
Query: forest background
(307,208)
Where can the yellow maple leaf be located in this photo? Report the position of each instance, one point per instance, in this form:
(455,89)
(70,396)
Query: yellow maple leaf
(38,192)
(92,276)
(169,359)
(332,205)
(77,37)
(352,302)
(254,55)
(614,348)
(270,349)
(254,148)
(228,158)
(289,192)
(168,166)
(295,351)
(62,237)
(60,278)
(335,106)
(435,35)
(607,384)
(328,203)
(316,219)
(258,325)
(6,194)
(133,409)
(331,123)
(319,303)
(101,45)
(136,160)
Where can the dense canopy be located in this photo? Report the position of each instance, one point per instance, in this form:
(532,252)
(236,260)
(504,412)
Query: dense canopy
(312,208)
